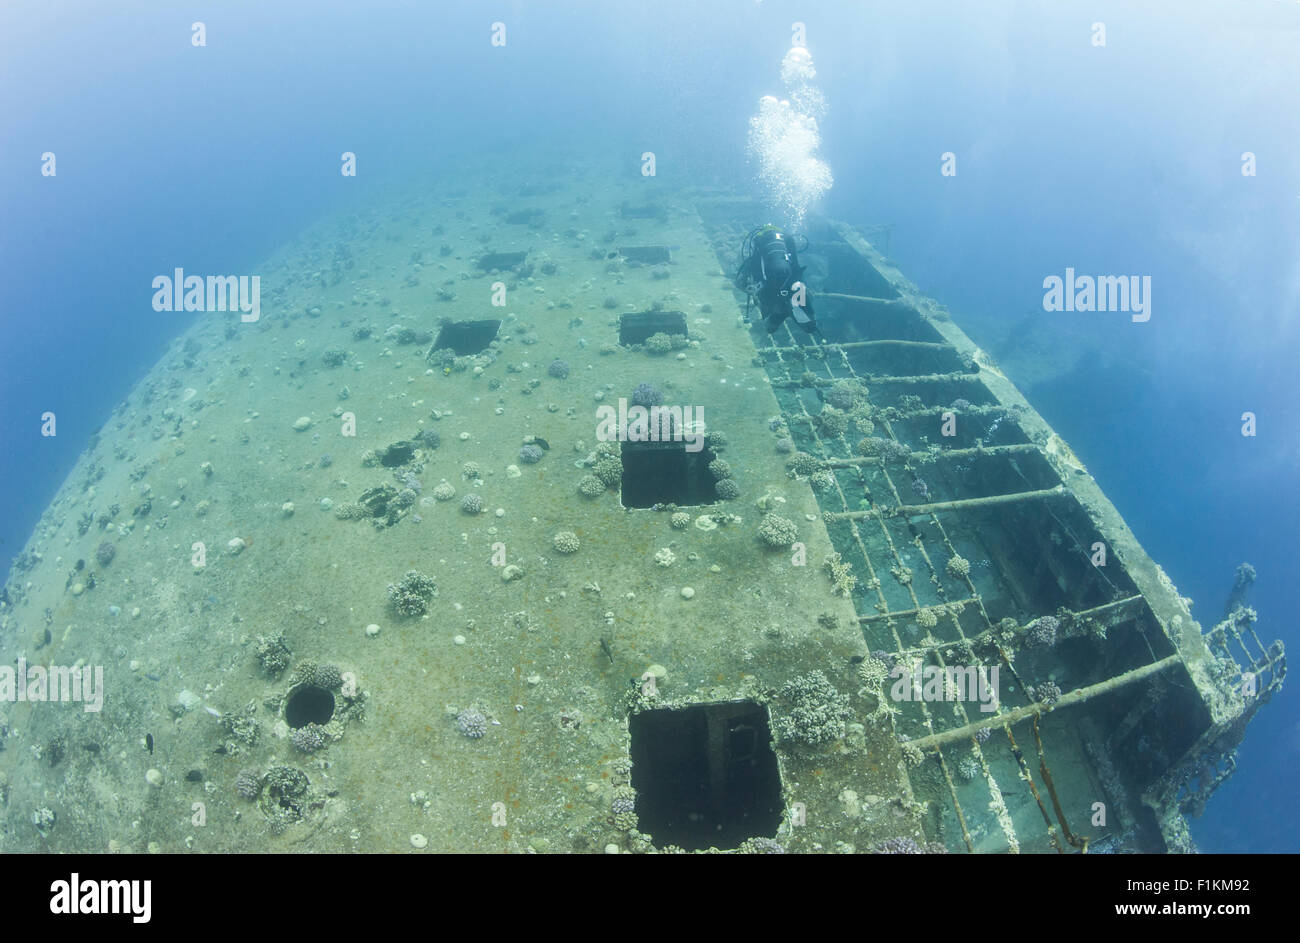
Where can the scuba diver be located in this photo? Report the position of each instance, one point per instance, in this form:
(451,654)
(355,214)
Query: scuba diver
(770,274)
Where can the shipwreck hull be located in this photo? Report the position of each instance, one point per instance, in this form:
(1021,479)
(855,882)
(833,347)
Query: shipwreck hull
(596,671)
(1147,708)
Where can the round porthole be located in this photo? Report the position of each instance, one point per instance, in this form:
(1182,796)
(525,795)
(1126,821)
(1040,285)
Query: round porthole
(308,704)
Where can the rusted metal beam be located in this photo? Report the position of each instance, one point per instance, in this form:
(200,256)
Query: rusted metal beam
(1018,448)
(1077,696)
(857,345)
(840,296)
(961,505)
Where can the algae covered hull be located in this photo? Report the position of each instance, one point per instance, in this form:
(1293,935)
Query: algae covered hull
(388,568)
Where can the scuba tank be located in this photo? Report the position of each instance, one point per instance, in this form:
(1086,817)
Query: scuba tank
(774,258)
(768,270)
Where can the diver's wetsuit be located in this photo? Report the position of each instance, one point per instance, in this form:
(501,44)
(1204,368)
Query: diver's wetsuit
(771,274)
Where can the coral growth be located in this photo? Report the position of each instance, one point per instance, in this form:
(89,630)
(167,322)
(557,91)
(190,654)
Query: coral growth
(841,573)
(647,395)
(248,783)
(1042,631)
(761,846)
(901,845)
(968,768)
(592,487)
(309,738)
(1048,693)
(817,712)
(803,464)
(471,723)
(286,796)
(832,422)
(776,531)
(622,807)
(609,470)
(888,449)
(322,676)
(273,653)
(846,394)
(410,596)
(873,672)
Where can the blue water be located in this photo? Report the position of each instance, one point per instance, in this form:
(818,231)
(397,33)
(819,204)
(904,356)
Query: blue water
(1120,159)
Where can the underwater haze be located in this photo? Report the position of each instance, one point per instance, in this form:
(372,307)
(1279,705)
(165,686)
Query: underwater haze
(982,148)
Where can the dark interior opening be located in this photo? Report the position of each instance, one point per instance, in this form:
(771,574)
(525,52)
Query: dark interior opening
(898,360)
(308,704)
(396,454)
(648,211)
(635,328)
(532,216)
(646,255)
(466,337)
(705,776)
(846,271)
(501,261)
(853,321)
(666,473)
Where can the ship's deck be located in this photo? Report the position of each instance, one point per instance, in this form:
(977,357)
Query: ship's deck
(766,723)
